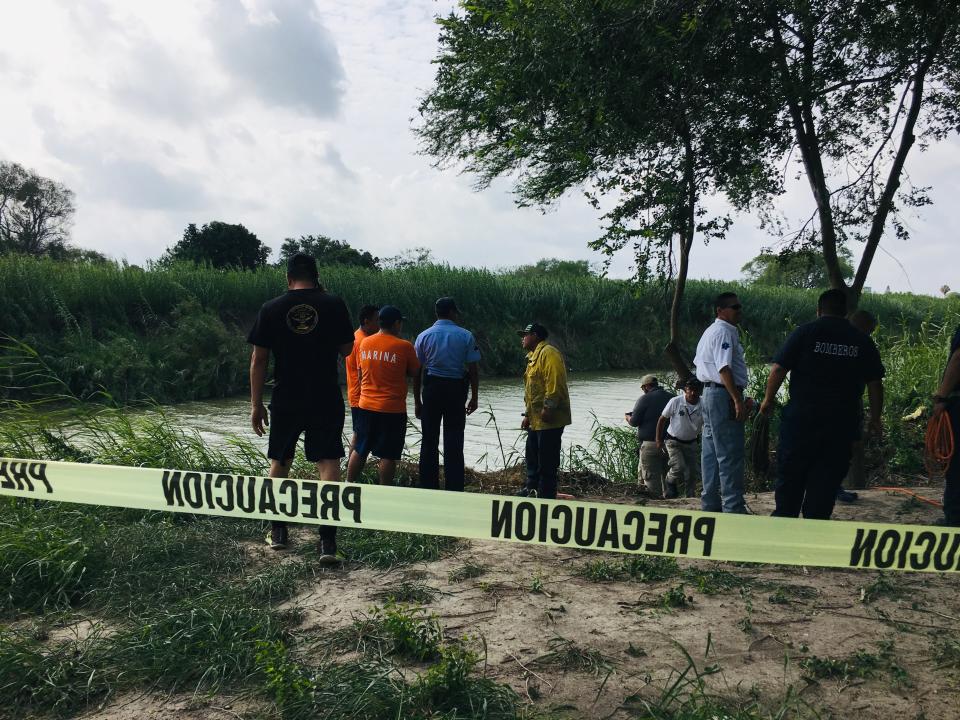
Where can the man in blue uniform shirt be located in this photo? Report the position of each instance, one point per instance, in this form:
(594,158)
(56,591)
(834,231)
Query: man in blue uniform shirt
(829,362)
(449,356)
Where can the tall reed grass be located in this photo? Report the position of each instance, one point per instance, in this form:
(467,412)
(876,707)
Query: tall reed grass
(178,332)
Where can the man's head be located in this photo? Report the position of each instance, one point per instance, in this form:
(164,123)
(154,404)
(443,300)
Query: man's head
(648,383)
(692,389)
(302,268)
(728,307)
(832,303)
(391,319)
(532,335)
(446,309)
(370,319)
(864,321)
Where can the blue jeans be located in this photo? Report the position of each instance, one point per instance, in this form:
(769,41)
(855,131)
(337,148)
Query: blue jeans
(721,454)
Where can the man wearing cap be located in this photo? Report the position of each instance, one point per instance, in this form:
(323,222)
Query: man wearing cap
(369,324)
(305,329)
(386,361)
(548,411)
(448,355)
(722,369)
(652,467)
(829,362)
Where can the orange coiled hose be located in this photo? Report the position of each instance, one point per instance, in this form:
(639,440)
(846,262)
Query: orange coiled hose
(939,444)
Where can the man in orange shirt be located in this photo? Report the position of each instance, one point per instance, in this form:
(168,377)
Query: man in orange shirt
(385,362)
(369,325)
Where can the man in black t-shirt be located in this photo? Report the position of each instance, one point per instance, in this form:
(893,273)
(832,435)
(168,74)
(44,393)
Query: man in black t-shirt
(947,400)
(305,329)
(829,362)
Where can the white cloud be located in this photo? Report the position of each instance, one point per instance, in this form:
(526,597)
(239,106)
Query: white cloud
(294,117)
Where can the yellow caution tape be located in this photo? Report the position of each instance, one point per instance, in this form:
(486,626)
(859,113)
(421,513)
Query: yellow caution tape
(593,526)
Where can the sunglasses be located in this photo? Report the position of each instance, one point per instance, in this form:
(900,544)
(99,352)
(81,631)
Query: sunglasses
(738,306)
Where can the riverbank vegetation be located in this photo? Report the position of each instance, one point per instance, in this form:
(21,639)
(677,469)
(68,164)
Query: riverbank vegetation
(178,332)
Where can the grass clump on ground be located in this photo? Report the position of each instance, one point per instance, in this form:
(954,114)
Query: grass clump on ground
(639,568)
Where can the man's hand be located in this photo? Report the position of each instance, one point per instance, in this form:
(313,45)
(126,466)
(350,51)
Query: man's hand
(525,423)
(740,409)
(546,414)
(766,407)
(259,419)
(939,408)
(472,405)
(660,445)
(417,408)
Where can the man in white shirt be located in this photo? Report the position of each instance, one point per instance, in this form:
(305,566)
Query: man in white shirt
(677,430)
(722,369)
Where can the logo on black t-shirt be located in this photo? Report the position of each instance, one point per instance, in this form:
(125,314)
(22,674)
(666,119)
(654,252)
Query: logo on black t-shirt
(302,319)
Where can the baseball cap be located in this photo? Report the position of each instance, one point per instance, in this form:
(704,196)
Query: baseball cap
(389,315)
(446,305)
(648,380)
(300,263)
(537,329)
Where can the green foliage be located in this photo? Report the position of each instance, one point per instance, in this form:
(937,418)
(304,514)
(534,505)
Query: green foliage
(556,268)
(408,592)
(220,245)
(326,251)
(639,568)
(469,569)
(676,597)
(859,664)
(794,268)
(404,631)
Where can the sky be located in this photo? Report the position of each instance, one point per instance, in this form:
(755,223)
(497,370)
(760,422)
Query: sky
(294,117)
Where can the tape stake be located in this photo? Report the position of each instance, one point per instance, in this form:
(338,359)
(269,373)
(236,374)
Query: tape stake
(592,526)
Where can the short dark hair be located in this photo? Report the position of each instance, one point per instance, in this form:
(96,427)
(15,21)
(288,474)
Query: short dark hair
(367,312)
(693,384)
(723,300)
(301,266)
(832,302)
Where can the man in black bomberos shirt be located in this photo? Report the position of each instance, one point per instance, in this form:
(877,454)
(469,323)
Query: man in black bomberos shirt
(305,329)
(829,362)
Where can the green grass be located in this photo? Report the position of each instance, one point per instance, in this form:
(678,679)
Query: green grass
(178,333)
(639,568)
(469,569)
(859,664)
(403,631)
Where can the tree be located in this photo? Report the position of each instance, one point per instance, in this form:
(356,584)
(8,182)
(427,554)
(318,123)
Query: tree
(220,245)
(642,101)
(801,268)
(859,84)
(35,212)
(327,252)
(410,258)
(555,267)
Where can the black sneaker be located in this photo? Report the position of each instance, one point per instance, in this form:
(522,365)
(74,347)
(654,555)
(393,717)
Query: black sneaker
(277,539)
(846,496)
(526,492)
(327,552)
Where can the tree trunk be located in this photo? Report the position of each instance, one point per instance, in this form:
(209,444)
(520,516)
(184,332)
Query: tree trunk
(686,231)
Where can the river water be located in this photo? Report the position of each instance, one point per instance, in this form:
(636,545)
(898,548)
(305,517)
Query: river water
(493,432)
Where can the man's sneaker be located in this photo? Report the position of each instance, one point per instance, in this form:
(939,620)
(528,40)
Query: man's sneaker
(327,552)
(526,492)
(846,496)
(277,539)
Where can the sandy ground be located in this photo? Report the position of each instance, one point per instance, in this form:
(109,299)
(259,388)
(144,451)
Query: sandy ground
(529,602)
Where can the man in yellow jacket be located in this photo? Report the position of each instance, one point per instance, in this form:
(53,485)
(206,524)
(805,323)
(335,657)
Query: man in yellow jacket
(548,411)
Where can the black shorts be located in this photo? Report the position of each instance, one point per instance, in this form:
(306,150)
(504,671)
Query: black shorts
(354,414)
(380,434)
(322,434)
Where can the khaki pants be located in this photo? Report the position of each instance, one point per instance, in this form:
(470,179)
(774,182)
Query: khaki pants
(684,464)
(652,468)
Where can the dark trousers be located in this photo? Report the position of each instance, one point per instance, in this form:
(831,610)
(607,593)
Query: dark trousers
(811,465)
(543,461)
(951,488)
(327,532)
(444,402)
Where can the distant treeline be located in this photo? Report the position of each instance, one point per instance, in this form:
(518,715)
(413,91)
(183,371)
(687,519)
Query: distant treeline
(178,333)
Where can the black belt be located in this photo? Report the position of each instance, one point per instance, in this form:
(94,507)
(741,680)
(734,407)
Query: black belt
(685,442)
(719,385)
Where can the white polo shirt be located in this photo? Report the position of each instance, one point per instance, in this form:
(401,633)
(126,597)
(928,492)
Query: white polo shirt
(720,347)
(686,420)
